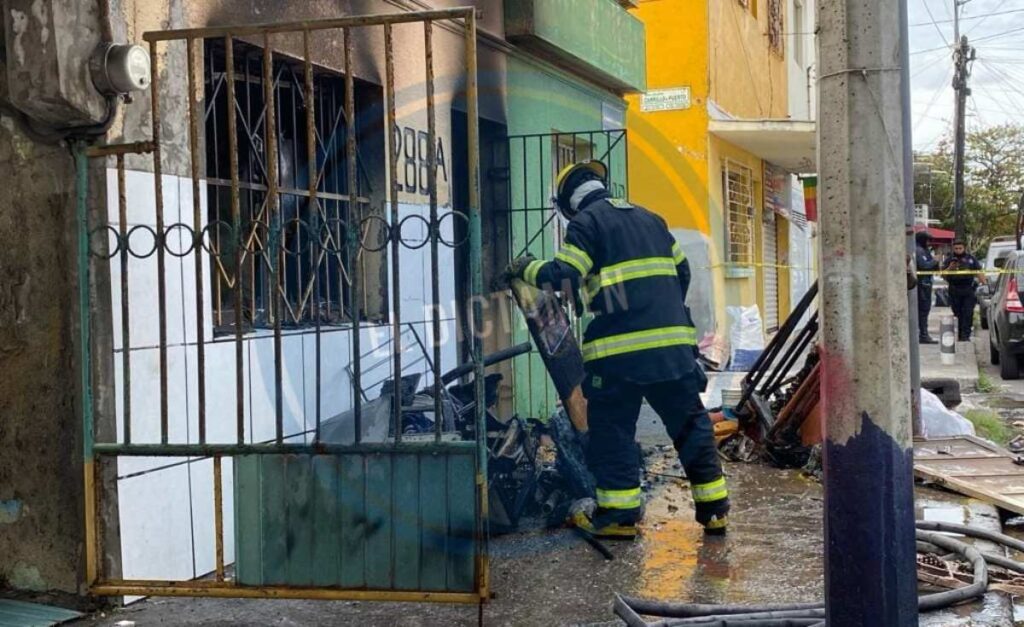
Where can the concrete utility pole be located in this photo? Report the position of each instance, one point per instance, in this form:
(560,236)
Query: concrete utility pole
(869,501)
(963,57)
(913,321)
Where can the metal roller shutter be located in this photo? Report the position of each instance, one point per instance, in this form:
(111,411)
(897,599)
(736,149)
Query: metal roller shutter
(770,259)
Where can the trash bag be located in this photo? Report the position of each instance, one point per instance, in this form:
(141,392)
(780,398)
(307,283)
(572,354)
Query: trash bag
(745,337)
(940,422)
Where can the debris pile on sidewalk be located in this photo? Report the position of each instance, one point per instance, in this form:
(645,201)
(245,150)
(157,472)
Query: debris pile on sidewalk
(778,408)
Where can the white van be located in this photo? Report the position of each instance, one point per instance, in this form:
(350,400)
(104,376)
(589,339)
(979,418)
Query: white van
(998,246)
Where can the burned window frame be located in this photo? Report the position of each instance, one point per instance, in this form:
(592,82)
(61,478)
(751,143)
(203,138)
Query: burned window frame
(313,258)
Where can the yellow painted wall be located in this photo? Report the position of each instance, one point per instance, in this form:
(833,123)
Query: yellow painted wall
(719,50)
(748,80)
(668,168)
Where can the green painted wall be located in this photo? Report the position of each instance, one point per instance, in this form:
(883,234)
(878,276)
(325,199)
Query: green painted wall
(542,102)
(595,36)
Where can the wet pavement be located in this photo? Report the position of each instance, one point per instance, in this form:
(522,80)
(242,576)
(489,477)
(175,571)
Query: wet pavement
(773,554)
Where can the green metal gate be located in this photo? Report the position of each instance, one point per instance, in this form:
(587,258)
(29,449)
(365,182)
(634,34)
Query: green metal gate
(387,520)
(534,226)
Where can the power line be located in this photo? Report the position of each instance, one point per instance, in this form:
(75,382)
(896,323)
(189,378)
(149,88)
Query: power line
(935,98)
(914,52)
(1009,80)
(927,66)
(982,17)
(999,35)
(1008,90)
(988,15)
(942,35)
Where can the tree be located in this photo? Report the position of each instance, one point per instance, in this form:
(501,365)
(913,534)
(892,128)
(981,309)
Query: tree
(993,180)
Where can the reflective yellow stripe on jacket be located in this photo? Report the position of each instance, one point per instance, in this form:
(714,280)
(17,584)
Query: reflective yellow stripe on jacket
(638,341)
(677,253)
(575,257)
(708,492)
(619,499)
(530,274)
(629,270)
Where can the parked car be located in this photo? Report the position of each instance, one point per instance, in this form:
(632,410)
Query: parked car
(1006,315)
(997,248)
(984,298)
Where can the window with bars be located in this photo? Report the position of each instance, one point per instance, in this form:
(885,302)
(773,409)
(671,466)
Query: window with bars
(775,26)
(738,190)
(313,262)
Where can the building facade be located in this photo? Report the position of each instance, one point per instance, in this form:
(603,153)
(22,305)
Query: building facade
(714,143)
(552,88)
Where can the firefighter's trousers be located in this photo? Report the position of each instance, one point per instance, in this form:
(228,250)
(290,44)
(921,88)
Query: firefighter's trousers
(613,406)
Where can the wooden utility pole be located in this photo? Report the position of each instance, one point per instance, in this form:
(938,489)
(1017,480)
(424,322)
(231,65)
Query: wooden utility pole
(963,57)
(870,552)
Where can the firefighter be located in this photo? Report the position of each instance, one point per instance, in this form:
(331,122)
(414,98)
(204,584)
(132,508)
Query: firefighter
(641,344)
(964,270)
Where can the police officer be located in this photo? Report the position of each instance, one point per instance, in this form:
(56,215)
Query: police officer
(962,265)
(640,345)
(925,263)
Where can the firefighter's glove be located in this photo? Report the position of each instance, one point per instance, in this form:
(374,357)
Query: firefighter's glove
(517,268)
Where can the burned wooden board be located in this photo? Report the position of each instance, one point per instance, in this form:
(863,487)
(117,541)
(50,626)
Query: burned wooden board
(973,467)
(552,335)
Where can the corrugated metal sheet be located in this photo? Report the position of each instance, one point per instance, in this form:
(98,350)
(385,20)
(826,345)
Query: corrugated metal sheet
(379,521)
(770,257)
(21,614)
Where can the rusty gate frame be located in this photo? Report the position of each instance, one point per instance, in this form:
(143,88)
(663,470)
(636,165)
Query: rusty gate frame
(94,452)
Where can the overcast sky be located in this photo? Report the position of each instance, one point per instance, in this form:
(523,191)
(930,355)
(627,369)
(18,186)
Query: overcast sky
(996,29)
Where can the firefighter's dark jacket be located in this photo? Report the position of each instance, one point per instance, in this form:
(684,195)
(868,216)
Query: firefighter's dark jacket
(633,277)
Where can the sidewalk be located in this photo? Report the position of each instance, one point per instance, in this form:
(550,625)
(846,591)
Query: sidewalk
(964,370)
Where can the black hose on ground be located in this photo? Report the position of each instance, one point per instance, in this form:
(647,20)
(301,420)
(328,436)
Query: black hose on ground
(694,610)
(759,622)
(793,618)
(629,608)
(705,621)
(973,532)
(941,600)
(991,558)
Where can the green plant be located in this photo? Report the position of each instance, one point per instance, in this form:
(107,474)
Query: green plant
(985,383)
(989,425)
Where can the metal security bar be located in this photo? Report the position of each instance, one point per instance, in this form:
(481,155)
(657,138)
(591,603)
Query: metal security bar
(738,188)
(299,241)
(534,227)
(327,160)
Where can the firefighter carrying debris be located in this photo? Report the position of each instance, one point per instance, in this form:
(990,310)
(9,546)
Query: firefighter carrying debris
(640,345)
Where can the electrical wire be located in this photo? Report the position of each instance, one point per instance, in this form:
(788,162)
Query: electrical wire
(916,52)
(932,63)
(984,17)
(939,91)
(942,35)
(998,35)
(972,17)
(1008,84)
